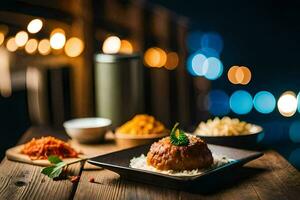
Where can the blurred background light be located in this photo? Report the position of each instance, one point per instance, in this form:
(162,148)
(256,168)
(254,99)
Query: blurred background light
(172,60)
(126,47)
(212,68)
(246,75)
(31,46)
(21,38)
(218,103)
(264,102)
(35,26)
(111,45)
(2,37)
(193,41)
(298,102)
(57,38)
(241,102)
(209,52)
(287,104)
(294,131)
(74,47)
(212,40)
(155,57)
(11,44)
(195,64)
(231,74)
(44,47)
(294,157)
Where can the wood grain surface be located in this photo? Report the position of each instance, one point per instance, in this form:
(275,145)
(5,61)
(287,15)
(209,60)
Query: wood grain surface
(269,177)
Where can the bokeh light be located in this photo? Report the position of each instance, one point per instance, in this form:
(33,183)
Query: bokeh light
(57,38)
(35,26)
(74,47)
(246,75)
(287,104)
(298,102)
(264,102)
(241,102)
(172,60)
(126,47)
(21,38)
(194,41)
(294,131)
(111,45)
(2,37)
(239,75)
(218,103)
(212,40)
(11,44)
(155,57)
(294,157)
(231,74)
(44,47)
(195,64)
(212,68)
(31,46)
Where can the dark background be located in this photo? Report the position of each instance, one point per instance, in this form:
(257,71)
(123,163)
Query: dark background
(263,35)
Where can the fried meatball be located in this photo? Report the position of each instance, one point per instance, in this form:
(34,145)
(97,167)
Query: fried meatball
(163,155)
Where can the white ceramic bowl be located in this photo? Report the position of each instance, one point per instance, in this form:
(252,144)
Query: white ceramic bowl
(87,130)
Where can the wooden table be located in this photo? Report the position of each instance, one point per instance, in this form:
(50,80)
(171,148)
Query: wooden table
(269,177)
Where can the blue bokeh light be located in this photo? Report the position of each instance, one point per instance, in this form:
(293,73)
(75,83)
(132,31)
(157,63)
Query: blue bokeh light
(212,40)
(298,102)
(195,64)
(212,68)
(294,132)
(264,102)
(218,103)
(193,41)
(241,102)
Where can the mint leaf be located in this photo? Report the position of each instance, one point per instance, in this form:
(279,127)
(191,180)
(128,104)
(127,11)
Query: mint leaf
(181,139)
(54,171)
(54,159)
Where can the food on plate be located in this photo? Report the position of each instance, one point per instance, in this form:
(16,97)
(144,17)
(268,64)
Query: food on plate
(179,154)
(44,147)
(225,127)
(169,154)
(142,125)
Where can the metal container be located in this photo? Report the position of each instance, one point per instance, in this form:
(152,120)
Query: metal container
(118,87)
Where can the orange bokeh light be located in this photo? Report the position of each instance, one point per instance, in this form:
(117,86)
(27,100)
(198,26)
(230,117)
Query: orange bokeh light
(155,57)
(172,60)
(239,75)
(126,47)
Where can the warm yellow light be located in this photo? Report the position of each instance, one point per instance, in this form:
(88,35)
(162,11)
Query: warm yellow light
(231,74)
(5,77)
(57,38)
(287,104)
(239,75)
(44,47)
(21,38)
(111,45)
(2,37)
(126,47)
(11,45)
(172,60)
(35,26)
(31,46)
(74,47)
(155,57)
(246,75)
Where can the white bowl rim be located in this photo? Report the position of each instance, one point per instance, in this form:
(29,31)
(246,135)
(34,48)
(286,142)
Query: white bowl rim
(88,122)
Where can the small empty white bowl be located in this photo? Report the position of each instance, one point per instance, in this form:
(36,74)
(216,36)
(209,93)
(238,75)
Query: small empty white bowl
(87,130)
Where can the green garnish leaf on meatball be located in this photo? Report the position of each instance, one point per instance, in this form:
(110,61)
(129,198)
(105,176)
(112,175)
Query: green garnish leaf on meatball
(178,137)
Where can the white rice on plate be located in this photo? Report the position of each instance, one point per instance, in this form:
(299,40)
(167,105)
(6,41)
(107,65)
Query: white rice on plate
(141,163)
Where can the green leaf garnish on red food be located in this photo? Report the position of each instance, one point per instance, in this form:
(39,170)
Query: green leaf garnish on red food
(178,137)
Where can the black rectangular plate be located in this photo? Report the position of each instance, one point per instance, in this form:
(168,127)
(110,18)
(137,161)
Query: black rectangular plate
(119,163)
